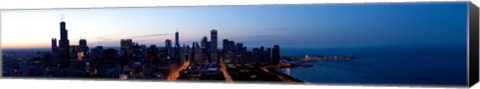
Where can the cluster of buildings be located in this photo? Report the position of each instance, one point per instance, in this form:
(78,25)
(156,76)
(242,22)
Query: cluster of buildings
(137,61)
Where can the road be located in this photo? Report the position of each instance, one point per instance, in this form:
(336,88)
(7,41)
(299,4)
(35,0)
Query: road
(283,78)
(223,68)
(176,72)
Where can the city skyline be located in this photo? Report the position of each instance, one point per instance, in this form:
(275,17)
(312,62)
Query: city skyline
(252,25)
(162,63)
(407,43)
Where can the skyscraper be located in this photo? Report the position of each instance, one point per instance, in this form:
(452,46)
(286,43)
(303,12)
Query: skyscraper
(228,45)
(54,45)
(83,49)
(82,42)
(205,48)
(126,47)
(262,54)
(197,54)
(225,43)
(152,54)
(240,53)
(168,47)
(97,52)
(203,44)
(168,43)
(64,49)
(228,51)
(54,61)
(276,54)
(256,57)
(177,39)
(75,52)
(214,52)
(83,45)
(268,55)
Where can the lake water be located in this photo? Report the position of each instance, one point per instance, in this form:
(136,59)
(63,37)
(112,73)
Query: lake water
(443,65)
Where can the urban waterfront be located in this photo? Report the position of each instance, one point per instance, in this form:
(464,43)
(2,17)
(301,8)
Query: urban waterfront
(368,66)
(198,61)
(382,66)
(297,44)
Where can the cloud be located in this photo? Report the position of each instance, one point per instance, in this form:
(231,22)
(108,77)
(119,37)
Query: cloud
(281,28)
(106,37)
(151,35)
(260,36)
(105,43)
(104,40)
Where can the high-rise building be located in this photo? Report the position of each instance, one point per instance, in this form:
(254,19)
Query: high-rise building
(163,54)
(178,55)
(152,54)
(97,52)
(249,57)
(228,45)
(168,43)
(203,44)
(168,46)
(75,53)
(245,55)
(240,53)
(54,45)
(64,49)
(138,53)
(177,39)
(82,42)
(126,47)
(262,54)
(109,57)
(268,55)
(207,51)
(143,52)
(197,54)
(256,57)
(228,51)
(225,43)
(214,43)
(83,46)
(276,54)
(54,62)
(239,47)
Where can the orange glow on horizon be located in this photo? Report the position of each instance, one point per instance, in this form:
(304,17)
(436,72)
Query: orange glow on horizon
(22,46)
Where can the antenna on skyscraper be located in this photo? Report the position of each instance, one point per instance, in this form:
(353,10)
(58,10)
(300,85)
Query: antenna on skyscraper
(62,18)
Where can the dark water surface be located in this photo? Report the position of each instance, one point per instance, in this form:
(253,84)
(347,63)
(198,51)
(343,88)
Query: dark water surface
(444,65)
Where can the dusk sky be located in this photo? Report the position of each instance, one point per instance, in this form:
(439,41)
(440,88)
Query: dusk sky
(319,26)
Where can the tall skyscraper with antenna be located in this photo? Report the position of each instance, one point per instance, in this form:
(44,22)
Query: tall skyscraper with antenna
(64,47)
(177,39)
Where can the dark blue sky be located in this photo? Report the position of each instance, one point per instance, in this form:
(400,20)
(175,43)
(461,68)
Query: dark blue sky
(319,26)
(374,24)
